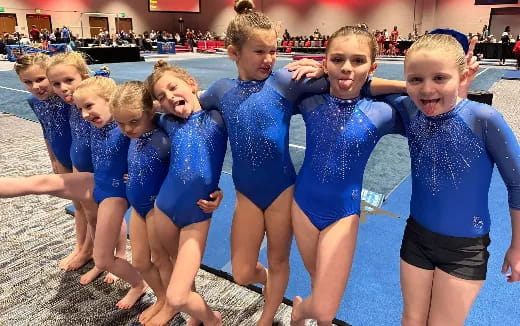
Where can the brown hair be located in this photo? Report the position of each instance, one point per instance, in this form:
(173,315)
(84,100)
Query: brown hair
(162,67)
(74,59)
(357,32)
(446,43)
(102,86)
(131,96)
(239,30)
(27,60)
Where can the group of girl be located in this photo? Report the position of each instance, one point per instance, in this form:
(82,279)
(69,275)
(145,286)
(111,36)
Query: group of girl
(172,170)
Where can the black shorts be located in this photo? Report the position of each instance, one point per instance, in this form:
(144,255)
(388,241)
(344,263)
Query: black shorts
(461,257)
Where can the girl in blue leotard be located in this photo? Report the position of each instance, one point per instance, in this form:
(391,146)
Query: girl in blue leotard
(342,129)
(454,144)
(106,185)
(65,71)
(53,114)
(198,145)
(148,160)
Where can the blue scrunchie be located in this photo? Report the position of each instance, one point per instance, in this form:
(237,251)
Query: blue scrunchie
(102,73)
(460,37)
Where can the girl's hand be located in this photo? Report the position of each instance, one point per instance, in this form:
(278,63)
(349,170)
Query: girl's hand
(512,264)
(472,66)
(209,206)
(305,68)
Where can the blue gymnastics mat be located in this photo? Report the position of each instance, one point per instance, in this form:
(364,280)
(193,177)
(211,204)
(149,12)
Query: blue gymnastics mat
(511,74)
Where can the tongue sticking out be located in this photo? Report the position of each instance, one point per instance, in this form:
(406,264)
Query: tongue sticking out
(345,83)
(429,107)
(68,99)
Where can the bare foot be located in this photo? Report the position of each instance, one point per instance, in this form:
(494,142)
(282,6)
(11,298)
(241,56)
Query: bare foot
(90,276)
(151,311)
(163,317)
(65,261)
(78,261)
(132,296)
(296,319)
(110,278)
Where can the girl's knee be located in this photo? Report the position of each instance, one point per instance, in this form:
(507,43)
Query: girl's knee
(413,320)
(177,300)
(103,262)
(243,274)
(142,265)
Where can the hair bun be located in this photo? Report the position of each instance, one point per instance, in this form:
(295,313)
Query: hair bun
(244,6)
(160,64)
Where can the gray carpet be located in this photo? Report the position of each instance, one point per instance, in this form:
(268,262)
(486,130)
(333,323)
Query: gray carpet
(35,233)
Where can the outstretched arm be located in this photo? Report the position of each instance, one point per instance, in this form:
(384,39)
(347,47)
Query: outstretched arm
(512,257)
(74,186)
(381,86)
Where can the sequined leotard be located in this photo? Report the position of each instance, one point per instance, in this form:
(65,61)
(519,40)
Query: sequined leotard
(80,152)
(340,136)
(257,115)
(452,161)
(109,157)
(198,146)
(148,162)
(53,114)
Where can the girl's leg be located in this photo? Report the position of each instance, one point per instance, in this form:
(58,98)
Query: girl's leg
(120,251)
(142,261)
(416,287)
(192,241)
(166,244)
(452,298)
(247,233)
(307,237)
(335,253)
(279,234)
(74,186)
(110,216)
(79,221)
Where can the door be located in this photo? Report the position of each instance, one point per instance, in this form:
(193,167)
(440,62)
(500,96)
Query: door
(41,21)
(123,24)
(97,24)
(7,23)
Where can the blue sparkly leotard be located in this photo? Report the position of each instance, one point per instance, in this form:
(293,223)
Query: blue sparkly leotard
(109,157)
(340,136)
(53,114)
(257,115)
(452,161)
(80,152)
(148,162)
(198,146)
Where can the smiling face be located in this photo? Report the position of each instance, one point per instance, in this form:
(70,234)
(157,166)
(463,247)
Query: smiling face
(348,65)
(35,81)
(432,81)
(176,96)
(134,123)
(64,80)
(255,59)
(94,109)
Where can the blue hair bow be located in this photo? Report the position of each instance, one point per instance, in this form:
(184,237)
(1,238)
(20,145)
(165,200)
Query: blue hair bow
(460,37)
